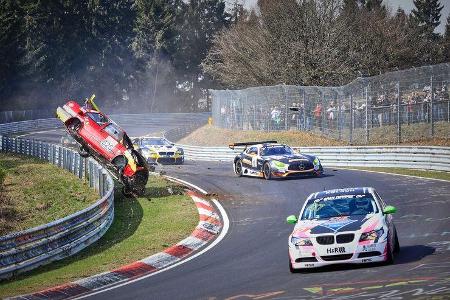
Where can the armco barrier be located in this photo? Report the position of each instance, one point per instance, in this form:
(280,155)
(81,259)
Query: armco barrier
(429,158)
(28,249)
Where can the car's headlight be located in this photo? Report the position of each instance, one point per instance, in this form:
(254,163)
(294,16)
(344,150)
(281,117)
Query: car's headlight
(278,164)
(371,235)
(180,151)
(301,241)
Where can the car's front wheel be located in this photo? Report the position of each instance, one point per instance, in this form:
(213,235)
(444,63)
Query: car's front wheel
(291,268)
(267,171)
(390,255)
(238,168)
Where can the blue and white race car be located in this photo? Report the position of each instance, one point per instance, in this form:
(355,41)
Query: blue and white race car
(342,226)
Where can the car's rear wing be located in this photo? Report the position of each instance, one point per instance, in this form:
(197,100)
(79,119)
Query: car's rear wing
(245,144)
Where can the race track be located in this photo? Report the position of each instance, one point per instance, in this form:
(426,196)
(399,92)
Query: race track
(252,260)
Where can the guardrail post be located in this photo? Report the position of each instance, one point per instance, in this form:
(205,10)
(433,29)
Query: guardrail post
(399,121)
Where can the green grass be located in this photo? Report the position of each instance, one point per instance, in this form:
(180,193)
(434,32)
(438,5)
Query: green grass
(141,227)
(411,172)
(35,192)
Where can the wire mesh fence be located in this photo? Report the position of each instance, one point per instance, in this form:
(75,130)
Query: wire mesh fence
(399,106)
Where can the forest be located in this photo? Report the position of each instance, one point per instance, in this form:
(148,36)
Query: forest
(164,55)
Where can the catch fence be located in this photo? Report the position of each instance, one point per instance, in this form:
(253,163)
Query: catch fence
(399,106)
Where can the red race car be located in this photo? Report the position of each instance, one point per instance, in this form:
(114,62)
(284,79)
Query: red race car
(104,140)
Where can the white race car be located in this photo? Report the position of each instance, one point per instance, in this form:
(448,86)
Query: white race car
(159,149)
(342,226)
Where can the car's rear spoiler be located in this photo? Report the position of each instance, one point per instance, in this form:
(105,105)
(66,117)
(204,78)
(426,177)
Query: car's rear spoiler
(250,144)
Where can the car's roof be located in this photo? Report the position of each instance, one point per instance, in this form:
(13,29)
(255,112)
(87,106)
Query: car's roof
(339,192)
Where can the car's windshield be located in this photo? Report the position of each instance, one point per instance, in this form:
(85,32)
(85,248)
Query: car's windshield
(98,118)
(276,150)
(338,206)
(155,141)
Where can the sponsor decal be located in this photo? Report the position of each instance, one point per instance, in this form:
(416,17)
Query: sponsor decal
(366,260)
(368,248)
(108,144)
(335,250)
(309,265)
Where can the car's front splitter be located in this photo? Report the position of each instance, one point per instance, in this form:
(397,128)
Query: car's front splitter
(361,250)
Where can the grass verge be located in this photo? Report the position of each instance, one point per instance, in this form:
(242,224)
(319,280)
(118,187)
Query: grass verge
(211,136)
(141,227)
(410,172)
(35,192)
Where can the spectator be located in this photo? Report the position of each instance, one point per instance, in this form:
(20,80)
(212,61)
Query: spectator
(275,116)
(318,115)
(330,115)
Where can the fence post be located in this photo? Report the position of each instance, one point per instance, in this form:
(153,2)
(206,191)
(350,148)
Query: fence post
(323,120)
(399,126)
(304,109)
(367,116)
(339,118)
(351,120)
(432,107)
(286,108)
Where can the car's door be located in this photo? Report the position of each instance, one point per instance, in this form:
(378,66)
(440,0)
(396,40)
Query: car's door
(250,157)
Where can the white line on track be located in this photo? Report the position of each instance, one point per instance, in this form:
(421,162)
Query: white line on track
(380,172)
(226,226)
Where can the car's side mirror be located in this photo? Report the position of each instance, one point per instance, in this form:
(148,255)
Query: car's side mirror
(389,210)
(291,219)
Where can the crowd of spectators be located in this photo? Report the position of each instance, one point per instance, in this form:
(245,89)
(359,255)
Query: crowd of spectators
(329,114)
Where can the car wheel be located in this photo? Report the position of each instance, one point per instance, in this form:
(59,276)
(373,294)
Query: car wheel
(83,152)
(397,244)
(390,255)
(291,268)
(74,125)
(238,168)
(267,171)
(127,192)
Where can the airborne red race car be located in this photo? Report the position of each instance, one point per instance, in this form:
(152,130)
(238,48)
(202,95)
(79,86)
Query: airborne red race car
(104,140)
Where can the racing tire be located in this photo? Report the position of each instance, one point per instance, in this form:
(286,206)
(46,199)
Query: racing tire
(390,255)
(238,168)
(83,152)
(292,269)
(397,244)
(127,192)
(267,171)
(74,125)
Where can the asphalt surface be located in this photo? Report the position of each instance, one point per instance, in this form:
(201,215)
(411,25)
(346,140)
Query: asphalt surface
(252,260)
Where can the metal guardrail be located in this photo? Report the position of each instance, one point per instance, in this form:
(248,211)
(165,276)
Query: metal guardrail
(28,126)
(429,158)
(28,249)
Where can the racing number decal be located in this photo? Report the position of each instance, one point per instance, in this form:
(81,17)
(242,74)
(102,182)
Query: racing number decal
(254,161)
(108,144)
